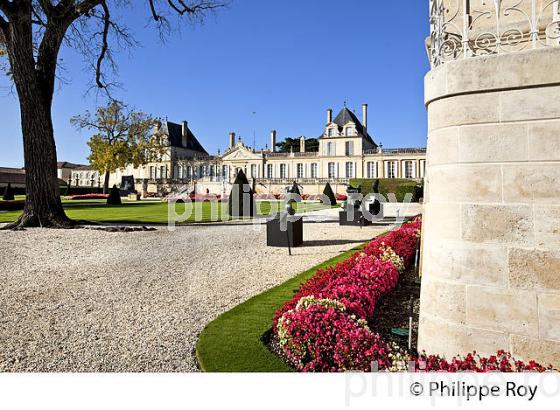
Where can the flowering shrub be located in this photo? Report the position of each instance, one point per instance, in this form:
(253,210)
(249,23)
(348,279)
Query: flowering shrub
(319,338)
(402,241)
(324,326)
(501,362)
(387,254)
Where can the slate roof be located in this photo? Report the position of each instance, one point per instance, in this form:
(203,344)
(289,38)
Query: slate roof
(176,138)
(345,116)
(16,176)
(65,164)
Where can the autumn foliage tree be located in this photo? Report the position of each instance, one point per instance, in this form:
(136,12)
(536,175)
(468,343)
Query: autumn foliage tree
(121,137)
(32,33)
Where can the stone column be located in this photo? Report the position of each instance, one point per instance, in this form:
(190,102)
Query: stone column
(491,263)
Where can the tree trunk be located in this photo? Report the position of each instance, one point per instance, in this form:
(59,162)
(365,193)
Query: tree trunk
(106,182)
(43,207)
(35,87)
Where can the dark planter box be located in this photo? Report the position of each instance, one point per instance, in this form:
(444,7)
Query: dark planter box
(357,220)
(375,213)
(279,238)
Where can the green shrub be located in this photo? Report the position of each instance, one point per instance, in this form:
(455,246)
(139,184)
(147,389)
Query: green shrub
(114,197)
(386,186)
(328,192)
(8,193)
(237,207)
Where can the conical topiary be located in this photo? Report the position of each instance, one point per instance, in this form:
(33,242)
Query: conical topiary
(295,189)
(241,201)
(376,187)
(8,193)
(114,196)
(328,192)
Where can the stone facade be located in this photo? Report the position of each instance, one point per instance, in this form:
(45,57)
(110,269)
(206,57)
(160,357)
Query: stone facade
(491,261)
(346,150)
(86,176)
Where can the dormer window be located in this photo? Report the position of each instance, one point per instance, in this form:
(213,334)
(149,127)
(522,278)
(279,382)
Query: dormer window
(349,131)
(330,132)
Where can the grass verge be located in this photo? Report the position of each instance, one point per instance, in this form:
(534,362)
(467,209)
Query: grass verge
(233,341)
(151,212)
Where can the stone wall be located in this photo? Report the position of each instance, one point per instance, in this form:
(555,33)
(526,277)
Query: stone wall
(491,265)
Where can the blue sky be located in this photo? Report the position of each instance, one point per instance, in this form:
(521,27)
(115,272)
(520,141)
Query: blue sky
(287,61)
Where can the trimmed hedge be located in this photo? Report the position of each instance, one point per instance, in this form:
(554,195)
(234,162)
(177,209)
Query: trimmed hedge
(399,187)
(12,205)
(16,190)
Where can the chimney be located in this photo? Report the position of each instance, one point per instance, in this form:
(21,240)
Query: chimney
(273,141)
(184,133)
(329,115)
(364,115)
(302,144)
(231,139)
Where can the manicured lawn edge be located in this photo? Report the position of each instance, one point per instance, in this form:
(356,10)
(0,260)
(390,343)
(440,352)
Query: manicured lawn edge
(233,341)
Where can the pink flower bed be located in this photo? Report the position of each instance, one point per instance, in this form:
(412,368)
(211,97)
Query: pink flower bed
(88,196)
(330,340)
(262,197)
(324,327)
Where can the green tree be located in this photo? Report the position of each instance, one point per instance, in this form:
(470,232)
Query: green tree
(32,33)
(292,145)
(122,137)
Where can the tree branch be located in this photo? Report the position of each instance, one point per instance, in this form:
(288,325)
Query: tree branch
(104,44)
(155,15)
(8,6)
(3,24)
(47,7)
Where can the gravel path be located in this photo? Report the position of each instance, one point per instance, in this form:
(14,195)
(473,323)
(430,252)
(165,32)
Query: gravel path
(85,300)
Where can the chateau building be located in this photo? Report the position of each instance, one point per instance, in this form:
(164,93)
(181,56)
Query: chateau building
(346,151)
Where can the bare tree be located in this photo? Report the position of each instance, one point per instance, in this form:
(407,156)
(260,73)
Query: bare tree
(32,33)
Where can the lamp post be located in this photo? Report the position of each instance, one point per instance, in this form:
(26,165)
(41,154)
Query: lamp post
(288,211)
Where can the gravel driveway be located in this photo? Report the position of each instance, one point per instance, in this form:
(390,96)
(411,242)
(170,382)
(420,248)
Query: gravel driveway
(85,300)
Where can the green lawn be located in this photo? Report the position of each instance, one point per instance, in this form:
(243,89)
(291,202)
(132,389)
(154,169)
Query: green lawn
(151,212)
(233,341)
